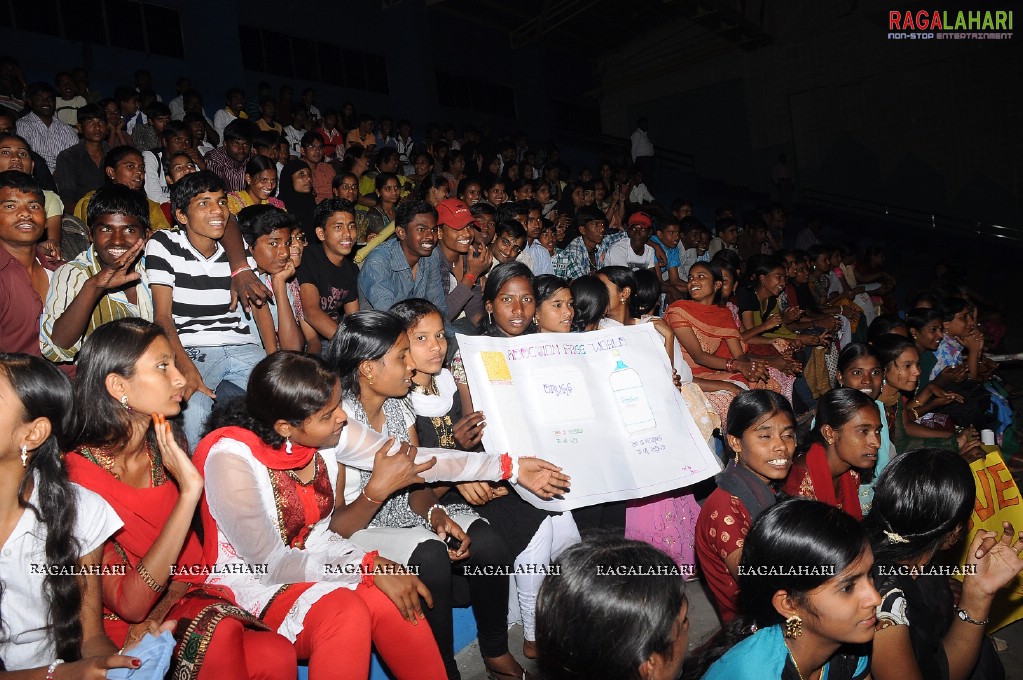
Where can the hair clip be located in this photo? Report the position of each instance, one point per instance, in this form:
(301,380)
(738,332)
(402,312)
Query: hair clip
(895,538)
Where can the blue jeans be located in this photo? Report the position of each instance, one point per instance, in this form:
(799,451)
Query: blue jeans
(231,363)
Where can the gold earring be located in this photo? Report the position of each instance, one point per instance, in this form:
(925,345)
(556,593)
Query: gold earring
(370,379)
(793,627)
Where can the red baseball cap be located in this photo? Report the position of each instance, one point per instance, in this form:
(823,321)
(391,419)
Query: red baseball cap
(454,213)
(640,218)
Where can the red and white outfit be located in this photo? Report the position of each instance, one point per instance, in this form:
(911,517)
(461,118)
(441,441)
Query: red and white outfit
(258,517)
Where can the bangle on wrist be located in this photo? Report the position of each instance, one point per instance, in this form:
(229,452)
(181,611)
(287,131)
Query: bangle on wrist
(370,499)
(52,668)
(471,277)
(148,579)
(239,270)
(429,513)
(367,568)
(964,616)
(729,365)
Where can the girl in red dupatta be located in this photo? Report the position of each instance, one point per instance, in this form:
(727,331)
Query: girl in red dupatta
(124,449)
(845,441)
(711,342)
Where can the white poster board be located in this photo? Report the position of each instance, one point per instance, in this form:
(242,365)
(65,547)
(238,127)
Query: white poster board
(600,404)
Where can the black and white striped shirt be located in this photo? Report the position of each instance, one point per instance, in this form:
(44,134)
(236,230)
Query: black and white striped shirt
(202,291)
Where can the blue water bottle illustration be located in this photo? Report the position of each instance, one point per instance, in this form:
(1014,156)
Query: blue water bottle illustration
(627,389)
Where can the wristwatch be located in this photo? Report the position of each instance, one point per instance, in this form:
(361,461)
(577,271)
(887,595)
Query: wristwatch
(963,616)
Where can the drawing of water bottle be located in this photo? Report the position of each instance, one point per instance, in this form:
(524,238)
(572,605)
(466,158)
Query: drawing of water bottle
(627,389)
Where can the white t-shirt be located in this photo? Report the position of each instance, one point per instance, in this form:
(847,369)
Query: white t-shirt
(25,640)
(621,254)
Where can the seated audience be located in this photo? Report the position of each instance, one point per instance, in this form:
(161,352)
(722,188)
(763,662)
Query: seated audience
(125,166)
(106,282)
(49,620)
(922,506)
(405,267)
(125,450)
(622,627)
(190,277)
(808,600)
(328,279)
(79,169)
(15,154)
(24,277)
(44,132)
(229,160)
(842,446)
(761,433)
(260,186)
(268,232)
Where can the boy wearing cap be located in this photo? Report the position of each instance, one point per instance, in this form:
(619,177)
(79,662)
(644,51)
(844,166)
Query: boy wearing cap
(634,252)
(464,261)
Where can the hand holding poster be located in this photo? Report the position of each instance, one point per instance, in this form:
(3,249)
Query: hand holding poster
(998,500)
(599,404)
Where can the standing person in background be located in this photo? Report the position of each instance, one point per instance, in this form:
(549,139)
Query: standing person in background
(642,149)
(783,183)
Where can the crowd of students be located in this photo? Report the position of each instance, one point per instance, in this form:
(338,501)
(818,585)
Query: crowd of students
(236,410)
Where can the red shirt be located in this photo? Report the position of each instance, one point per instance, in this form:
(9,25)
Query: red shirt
(331,140)
(720,531)
(20,307)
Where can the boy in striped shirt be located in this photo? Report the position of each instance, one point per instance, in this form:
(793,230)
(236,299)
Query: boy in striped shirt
(190,278)
(106,282)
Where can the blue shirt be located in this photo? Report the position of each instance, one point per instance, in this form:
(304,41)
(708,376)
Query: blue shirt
(762,656)
(674,257)
(386,278)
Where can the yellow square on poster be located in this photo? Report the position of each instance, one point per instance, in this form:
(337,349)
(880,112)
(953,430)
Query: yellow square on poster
(998,500)
(496,366)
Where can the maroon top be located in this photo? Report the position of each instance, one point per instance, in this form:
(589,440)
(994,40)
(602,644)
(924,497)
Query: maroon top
(20,307)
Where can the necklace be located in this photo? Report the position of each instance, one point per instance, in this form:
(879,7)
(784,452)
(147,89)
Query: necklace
(105,458)
(793,657)
(429,388)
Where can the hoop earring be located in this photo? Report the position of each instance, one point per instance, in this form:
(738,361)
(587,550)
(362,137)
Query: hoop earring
(24,455)
(287,445)
(124,403)
(793,627)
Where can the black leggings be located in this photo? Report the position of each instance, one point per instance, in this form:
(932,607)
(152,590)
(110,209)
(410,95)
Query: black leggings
(487,594)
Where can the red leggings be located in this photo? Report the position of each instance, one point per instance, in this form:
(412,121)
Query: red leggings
(239,653)
(338,629)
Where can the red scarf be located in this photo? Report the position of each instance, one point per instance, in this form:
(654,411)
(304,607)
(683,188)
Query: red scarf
(275,459)
(824,488)
(143,511)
